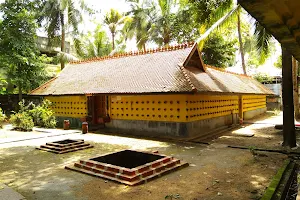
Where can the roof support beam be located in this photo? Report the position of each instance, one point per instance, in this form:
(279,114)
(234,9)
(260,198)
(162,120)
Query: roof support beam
(289,136)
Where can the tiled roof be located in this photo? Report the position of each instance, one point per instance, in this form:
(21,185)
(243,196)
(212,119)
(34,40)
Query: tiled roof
(152,72)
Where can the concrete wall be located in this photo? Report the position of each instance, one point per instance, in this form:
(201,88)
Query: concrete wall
(253,113)
(171,129)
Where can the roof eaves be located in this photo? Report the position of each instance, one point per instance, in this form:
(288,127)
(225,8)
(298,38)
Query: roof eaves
(46,83)
(187,78)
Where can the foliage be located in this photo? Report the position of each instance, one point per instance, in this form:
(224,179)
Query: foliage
(278,62)
(141,22)
(2,117)
(22,121)
(18,51)
(173,196)
(42,115)
(165,19)
(57,14)
(263,40)
(218,52)
(182,31)
(94,44)
(114,20)
(3,85)
(30,115)
(208,12)
(263,78)
(252,150)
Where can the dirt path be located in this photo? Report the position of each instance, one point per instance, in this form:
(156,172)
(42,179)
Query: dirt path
(265,135)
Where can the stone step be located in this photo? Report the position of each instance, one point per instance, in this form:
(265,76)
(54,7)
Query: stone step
(114,171)
(129,180)
(65,145)
(122,170)
(66,151)
(64,148)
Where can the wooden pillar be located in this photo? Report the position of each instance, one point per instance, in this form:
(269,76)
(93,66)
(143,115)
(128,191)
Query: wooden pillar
(241,112)
(296,88)
(289,136)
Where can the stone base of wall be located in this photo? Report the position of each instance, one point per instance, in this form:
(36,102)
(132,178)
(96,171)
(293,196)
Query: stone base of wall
(253,113)
(274,106)
(74,122)
(171,129)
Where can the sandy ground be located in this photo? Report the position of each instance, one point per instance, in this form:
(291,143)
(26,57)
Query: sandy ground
(265,135)
(215,171)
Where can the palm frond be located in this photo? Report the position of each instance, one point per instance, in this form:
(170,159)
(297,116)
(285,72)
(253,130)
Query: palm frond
(67,57)
(262,41)
(224,7)
(219,23)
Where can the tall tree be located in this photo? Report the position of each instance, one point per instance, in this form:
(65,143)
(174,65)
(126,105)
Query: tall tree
(93,44)
(60,14)
(18,50)
(162,33)
(114,20)
(216,14)
(218,52)
(241,41)
(142,13)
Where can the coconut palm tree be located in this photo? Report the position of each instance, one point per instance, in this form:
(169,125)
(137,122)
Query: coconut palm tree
(142,19)
(93,44)
(162,31)
(60,15)
(114,20)
(220,20)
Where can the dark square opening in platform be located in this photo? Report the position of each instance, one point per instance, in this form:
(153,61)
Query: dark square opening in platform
(68,141)
(128,159)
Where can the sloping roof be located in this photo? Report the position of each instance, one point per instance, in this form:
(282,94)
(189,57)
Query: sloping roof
(280,18)
(153,72)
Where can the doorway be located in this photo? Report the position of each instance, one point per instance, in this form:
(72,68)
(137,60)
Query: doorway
(97,108)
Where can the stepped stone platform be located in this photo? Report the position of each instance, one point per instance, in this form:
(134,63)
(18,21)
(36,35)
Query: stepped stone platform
(65,146)
(129,167)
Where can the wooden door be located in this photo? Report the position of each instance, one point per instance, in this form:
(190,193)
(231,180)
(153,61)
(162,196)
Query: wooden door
(99,108)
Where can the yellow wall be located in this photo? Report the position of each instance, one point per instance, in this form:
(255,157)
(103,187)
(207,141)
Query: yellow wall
(69,106)
(208,106)
(253,102)
(177,108)
(149,107)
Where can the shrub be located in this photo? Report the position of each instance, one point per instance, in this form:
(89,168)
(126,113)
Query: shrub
(2,117)
(42,115)
(22,121)
(31,115)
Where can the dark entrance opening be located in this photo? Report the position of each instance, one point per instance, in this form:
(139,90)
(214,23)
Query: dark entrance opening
(128,159)
(65,141)
(97,108)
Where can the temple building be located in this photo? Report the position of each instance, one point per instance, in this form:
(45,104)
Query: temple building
(161,92)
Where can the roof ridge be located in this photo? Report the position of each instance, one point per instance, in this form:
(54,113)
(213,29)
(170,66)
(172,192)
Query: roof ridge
(224,70)
(187,77)
(135,53)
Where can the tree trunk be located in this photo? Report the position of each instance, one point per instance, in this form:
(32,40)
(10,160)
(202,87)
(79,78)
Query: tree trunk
(113,41)
(20,91)
(289,136)
(10,86)
(63,38)
(241,44)
(296,88)
(144,47)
